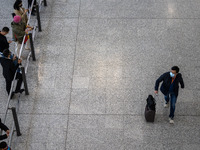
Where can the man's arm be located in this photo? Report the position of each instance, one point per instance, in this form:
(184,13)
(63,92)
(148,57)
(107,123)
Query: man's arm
(5,128)
(160,79)
(2,137)
(181,82)
(13,67)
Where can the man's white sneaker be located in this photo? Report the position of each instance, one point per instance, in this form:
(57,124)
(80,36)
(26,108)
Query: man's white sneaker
(171,121)
(166,105)
(27,48)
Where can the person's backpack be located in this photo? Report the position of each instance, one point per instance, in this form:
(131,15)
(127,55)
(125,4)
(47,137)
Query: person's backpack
(150,109)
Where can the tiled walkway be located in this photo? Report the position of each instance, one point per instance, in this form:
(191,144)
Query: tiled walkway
(97,61)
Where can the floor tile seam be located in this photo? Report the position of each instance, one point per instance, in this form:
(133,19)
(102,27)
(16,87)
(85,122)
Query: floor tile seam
(43,19)
(123,131)
(59,114)
(124,18)
(48,114)
(129,115)
(104,115)
(72,79)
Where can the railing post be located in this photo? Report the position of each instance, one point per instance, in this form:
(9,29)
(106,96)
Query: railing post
(32,46)
(16,121)
(45,3)
(24,80)
(38,18)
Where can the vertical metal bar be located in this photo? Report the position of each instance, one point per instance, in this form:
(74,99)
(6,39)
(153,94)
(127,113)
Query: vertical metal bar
(8,102)
(24,80)
(11,134)
(38,18)
(32,46)
(16,121)
(45,3)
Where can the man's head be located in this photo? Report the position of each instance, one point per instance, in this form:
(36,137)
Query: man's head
(5,30)
(6,53)
(174,71)
(3,146)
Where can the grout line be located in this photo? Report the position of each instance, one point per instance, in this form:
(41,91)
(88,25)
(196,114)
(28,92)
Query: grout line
(72,79)
(49,114)
(123,139)
(136,18)
(128,18)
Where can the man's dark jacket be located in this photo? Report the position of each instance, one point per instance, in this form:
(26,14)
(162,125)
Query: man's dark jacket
(3,43)
(9,68)
(3,127)
(167,79)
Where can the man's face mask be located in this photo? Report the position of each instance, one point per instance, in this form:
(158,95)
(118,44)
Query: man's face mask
(172,75)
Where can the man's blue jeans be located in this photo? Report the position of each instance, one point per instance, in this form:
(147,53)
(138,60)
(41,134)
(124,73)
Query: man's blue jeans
(172,98)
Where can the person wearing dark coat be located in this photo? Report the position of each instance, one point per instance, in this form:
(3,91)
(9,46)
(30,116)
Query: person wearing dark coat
(5,128)
(170,87)
(9,69)
(4,146)
(4,44)
(34,6)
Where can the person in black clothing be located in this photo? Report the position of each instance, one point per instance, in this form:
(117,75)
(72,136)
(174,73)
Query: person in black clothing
(4,146)
(5,128)
(34,6)
(4,44)
(9,69)
(170,86)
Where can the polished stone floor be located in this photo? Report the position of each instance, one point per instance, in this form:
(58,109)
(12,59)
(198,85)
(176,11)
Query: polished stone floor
(97,61)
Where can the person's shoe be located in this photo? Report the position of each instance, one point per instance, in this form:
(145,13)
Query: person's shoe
(20,91)
(22,57)
(33,13)
(166,105)
(26,48)
(13,93)
(171,121)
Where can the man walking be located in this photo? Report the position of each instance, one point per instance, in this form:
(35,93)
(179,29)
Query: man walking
(170,86)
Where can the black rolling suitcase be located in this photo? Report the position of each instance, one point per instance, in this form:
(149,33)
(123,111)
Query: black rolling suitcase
(150,109)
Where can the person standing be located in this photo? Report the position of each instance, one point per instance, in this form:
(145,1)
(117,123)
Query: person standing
(9,69)
(19,30)
(20,11)
(170,87)
(34,6)
(4,44)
